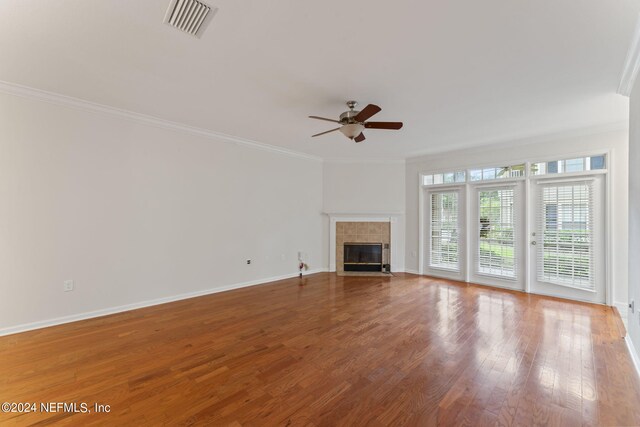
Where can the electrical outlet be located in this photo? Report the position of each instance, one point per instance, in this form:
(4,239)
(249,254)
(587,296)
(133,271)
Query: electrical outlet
(248,261)
(67,286)
(283,257)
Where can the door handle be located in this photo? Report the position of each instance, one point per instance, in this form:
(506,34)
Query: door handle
(533,242)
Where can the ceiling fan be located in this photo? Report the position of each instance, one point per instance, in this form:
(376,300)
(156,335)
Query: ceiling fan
(353,122)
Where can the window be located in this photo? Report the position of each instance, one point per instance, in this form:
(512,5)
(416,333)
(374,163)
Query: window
(455,177)
(566,254)
(444,231)
(514,171)
(497,249)
(580,164)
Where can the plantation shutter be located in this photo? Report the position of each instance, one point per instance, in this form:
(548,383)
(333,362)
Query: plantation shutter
(566,239)
(444,231)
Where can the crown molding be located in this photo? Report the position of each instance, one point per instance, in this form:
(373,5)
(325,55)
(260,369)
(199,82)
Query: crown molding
(81,104)
(631,63)
(418,157)
(364,160)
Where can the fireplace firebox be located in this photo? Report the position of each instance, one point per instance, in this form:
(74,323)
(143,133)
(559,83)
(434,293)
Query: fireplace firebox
(363,257)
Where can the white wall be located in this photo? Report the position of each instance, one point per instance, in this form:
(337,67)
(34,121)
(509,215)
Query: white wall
(367,187)
(133,212)
(561,146)
(633,322)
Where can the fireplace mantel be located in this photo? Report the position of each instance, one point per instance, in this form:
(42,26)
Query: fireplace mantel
(396,223)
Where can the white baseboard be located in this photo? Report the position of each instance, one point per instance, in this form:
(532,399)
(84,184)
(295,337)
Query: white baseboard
(623,308)
(634,354)
(408,270)
(119,309)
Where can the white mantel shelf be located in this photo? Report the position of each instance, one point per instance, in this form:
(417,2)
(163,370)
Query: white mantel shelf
(366,214)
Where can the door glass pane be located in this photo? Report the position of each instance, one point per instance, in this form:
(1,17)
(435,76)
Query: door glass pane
(444,231)
(496,252)
(566,222)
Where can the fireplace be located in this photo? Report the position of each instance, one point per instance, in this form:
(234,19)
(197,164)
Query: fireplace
(363,257)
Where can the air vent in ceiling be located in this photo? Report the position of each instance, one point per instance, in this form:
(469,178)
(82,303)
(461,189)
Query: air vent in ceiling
(190,16)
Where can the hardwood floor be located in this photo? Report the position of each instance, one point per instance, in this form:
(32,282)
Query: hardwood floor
(378,351)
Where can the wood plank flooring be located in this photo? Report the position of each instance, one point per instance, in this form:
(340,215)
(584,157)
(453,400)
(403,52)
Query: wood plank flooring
(333,351)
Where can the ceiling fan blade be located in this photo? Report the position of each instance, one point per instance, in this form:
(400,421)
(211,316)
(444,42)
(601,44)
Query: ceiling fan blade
(367,112)
(383,125)
(322,118)
(359,138)
(322,133)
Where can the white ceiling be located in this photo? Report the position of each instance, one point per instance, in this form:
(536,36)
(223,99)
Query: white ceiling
(458,73)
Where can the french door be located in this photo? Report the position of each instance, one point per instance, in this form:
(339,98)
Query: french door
(497,235)
(567,238)
(444,240)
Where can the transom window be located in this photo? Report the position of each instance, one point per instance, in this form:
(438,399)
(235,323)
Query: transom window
(444,178)
(563,166)
(514,171)
(579,164)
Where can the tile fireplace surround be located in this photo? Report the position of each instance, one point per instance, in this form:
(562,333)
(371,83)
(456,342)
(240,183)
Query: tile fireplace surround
(359,232)
(394,222)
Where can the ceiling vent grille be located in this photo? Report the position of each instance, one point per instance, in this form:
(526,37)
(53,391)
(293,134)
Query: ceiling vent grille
(190,16)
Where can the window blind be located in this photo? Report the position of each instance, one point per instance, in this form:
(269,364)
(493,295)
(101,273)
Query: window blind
(496,252)
(566,238)
(444,231)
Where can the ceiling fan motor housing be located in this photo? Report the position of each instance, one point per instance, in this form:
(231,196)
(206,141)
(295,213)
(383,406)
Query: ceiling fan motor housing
(348,117)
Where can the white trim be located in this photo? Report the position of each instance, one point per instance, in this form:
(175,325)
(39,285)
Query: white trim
(610,278)
(513,143)
(421,224)
(634,354)
(580,176)
(81,104)
(528,229)
(631,63)
(496,183)
(411,271)
(623,309)
(128,307)
(369,160)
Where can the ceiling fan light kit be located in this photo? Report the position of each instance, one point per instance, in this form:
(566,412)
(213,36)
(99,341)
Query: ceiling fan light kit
(353,122)
(352,130)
